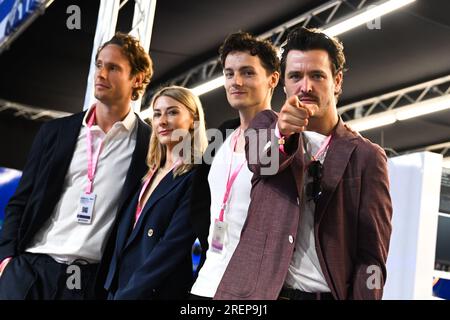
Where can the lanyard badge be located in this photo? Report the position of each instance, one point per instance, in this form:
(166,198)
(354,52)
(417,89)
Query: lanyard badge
(87,198)
(218,238)
(220,226)
(85,208)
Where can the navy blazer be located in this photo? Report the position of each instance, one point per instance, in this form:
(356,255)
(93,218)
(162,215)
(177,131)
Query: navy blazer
(42,181)
(153,260)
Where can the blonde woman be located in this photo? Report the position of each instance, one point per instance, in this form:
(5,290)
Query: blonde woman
(152,256)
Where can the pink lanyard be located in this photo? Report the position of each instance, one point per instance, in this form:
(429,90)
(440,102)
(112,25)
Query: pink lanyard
(92,159)
(144,188)
(230,180)
(321,150)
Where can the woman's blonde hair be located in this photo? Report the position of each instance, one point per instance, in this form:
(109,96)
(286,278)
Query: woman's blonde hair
(198,140)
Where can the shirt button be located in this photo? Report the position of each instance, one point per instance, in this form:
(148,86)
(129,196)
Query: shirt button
(291,239)
(298,201)
(150,232)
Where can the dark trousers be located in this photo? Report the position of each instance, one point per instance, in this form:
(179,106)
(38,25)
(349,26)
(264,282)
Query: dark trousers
(196,297)
(32,276)
(293,294)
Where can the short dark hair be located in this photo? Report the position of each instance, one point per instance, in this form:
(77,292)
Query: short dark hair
(305,39)
(138,58)
(243,41)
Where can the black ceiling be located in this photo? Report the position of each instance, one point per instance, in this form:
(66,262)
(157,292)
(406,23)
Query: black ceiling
(47,66)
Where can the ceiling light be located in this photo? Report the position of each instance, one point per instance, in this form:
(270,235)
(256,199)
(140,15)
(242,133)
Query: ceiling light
(370,122)
(363,17)
(402,113)
(340,27)
(422,108)
(209,86)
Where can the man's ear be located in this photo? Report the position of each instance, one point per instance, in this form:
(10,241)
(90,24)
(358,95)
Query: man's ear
(338,83)
(274,78)
(138,79)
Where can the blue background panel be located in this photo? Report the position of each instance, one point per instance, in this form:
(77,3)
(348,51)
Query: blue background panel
(9,179)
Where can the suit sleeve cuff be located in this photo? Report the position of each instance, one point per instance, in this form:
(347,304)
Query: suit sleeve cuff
(281,139)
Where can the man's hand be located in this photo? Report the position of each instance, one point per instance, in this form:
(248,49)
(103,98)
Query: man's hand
(294,115)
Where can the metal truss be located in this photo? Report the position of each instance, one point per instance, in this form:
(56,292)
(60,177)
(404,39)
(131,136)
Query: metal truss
(29,112)
(106,27)
(142,26)
(442,148)
(323,16)
(6,42)
(386,102)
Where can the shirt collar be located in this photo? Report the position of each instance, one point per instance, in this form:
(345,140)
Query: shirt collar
(314,140)
(128,123)
(130,120)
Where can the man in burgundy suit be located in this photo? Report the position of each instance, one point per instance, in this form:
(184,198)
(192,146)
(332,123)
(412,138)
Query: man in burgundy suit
(319,225)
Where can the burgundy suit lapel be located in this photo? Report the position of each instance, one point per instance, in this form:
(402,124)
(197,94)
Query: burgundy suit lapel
(297,167)
(336,161)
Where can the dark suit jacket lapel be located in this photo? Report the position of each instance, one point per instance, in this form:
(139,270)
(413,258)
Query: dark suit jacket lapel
(138,165)
(297,166)
(163,188)
(126,224)
(66,141)
(338,156)
(125,214)
(138,168)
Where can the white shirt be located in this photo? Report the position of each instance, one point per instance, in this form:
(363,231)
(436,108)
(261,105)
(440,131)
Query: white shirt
(235,215)
(62,237)
(304,271)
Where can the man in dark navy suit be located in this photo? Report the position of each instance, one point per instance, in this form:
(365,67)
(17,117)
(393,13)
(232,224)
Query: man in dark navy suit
(60,224)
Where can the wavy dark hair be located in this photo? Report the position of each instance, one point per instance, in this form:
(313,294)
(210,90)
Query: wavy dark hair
(305,39)
(243,41)
(139,59)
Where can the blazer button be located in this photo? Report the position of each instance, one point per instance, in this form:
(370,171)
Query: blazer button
(150,232)
(291,239)
(298,201)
